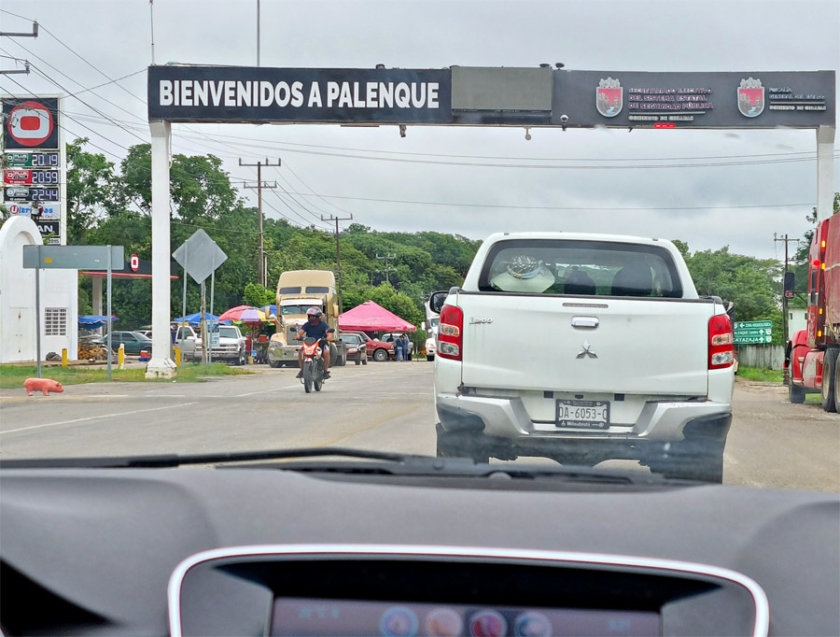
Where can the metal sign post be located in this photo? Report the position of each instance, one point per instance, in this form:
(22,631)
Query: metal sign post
(200,256)
(110,322)
(38,318)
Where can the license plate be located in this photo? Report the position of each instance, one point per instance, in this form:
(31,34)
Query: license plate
(590,414)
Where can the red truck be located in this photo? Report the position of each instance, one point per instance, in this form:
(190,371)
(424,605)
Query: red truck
(811,356)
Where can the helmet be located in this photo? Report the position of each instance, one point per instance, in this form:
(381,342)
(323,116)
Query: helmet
(314,314)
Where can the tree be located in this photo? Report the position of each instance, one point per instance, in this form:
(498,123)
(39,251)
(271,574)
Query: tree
(257,295)
(753,285)
(91,185)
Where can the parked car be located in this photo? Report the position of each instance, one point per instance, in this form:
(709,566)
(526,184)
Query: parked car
(379,350)
(134,342)
(430,347)
(355,344)
(391,337)
(231,347)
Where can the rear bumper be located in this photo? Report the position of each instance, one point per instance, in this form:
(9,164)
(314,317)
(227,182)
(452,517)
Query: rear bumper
(661,424)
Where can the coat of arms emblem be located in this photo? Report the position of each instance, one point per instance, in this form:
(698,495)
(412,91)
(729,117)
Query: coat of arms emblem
(751,97)
(609,97)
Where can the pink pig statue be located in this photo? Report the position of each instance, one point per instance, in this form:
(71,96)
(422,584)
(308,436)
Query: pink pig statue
(45,385)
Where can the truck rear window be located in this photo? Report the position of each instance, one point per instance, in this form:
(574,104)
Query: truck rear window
(580,268)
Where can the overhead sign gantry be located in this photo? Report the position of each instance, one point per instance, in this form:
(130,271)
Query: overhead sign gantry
(470,96)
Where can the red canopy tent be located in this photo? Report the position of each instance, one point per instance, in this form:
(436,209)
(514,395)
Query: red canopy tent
(372,317)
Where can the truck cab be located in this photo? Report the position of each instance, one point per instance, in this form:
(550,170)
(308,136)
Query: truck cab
(297,291)
(811,355)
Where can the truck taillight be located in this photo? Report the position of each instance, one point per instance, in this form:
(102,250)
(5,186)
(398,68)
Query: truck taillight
(721,341)
(450,332)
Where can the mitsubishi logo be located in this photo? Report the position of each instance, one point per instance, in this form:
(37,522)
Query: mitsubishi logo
(586,351)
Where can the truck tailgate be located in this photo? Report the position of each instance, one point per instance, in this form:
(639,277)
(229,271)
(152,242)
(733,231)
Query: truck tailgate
(639,345)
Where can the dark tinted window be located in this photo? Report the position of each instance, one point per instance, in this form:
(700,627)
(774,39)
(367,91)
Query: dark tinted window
(292,290)
(316,289)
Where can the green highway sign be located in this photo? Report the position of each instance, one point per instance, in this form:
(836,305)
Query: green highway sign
(747,332)
(746,325)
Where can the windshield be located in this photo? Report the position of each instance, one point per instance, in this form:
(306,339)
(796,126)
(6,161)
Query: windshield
(604,195)
(297,310)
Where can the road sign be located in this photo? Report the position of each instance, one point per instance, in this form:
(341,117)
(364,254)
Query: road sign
(199,255)
(747,332)
(73,257)
(135,263)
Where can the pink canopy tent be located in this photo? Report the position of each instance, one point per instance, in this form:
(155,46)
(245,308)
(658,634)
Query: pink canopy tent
(371,317)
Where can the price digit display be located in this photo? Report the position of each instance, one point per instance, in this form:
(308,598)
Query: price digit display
(43,194)
(45,177)
(45,160)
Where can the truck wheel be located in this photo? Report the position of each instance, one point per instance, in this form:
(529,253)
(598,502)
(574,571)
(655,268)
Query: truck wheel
(796,394)
(274,364)
(829,380)
(430,357)
(380,355)
(241,359)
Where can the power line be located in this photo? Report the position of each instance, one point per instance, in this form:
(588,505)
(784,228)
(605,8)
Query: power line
(459,204)
(75,95)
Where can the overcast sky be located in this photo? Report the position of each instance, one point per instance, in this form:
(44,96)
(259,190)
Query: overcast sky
(708,188)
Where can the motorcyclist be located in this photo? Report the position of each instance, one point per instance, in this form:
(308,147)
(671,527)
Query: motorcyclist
(315,327)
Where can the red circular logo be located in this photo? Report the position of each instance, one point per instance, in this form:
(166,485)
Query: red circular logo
(30,124)
(135,262)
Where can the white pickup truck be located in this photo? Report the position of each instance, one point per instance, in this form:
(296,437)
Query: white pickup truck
(583,348)
(231,347)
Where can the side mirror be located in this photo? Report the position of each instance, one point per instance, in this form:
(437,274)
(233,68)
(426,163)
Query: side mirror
(436,300)
(790,284)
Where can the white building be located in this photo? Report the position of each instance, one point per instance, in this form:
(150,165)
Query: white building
(59,305)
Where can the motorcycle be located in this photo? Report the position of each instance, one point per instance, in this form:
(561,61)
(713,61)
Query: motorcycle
(313,364)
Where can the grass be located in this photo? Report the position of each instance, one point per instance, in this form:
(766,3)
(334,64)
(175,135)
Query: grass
(13,375)
(760,374)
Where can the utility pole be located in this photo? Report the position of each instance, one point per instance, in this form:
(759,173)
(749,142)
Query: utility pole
(386,269)
(338,253)
(261,268)
(34,34)
(784,298)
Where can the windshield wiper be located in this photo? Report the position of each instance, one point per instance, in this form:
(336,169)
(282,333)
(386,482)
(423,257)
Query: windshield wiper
(395,464)
(175,460)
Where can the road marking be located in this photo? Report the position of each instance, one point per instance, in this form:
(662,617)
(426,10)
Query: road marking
(329,442)
(119,414)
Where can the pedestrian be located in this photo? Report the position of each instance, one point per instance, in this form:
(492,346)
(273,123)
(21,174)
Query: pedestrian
(404,340)
(398,348)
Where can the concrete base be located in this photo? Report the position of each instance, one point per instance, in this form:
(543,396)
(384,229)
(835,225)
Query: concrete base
(161,368)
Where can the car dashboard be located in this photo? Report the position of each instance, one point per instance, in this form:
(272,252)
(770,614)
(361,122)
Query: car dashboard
(265,551)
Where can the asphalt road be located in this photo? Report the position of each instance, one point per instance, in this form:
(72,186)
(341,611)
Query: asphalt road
(384,406)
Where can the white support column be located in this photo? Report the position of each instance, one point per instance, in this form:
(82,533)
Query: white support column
(160,365)
(825,171)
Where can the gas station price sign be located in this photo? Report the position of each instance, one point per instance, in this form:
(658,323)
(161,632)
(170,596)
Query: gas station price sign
(15,176)
(31,160)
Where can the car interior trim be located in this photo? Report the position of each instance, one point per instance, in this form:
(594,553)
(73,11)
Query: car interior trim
(559,558)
